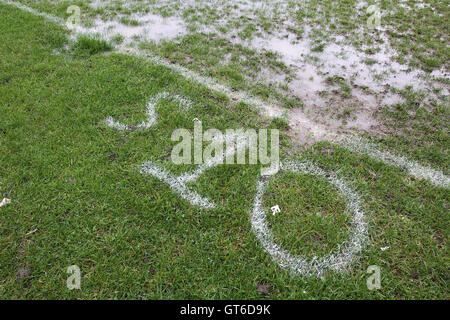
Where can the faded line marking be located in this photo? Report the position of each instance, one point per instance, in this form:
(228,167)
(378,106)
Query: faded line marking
(47,16)
(338,259)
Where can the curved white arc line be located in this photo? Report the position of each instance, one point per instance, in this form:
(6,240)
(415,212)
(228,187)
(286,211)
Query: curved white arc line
(150,112)
(338,259)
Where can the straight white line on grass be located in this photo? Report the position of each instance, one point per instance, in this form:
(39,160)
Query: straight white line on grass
(176,184)
(47,16)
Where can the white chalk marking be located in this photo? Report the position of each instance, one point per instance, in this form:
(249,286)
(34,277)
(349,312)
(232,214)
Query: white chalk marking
(337,260)
(415,169)
(436,177)
(241,142)
(316,266)
(4,202)
(177,184)
(150,111)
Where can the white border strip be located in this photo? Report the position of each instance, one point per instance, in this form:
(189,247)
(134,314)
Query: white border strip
(47,16)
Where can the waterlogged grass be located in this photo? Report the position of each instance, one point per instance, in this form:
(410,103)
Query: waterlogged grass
(233,64)
(417,29)
(78,197)
(86,45)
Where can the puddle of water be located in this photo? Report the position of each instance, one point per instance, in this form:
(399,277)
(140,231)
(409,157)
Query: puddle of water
(145,27)
(378,71)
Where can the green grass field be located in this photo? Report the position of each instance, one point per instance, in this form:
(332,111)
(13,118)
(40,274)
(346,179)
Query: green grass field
(78,197)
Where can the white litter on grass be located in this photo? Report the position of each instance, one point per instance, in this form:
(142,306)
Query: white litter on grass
(384,248)
(275,209)
(151,112)
(337,260)
(31,232)
(4,202)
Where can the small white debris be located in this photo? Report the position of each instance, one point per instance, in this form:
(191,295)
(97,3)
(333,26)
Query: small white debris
(5,201)
(31,232)
(275,210)
(384,248)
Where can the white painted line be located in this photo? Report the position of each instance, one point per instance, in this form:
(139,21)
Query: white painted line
(47,16)
(241,142)
(415,169)
(176,184)
(347,251)
(337,260)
